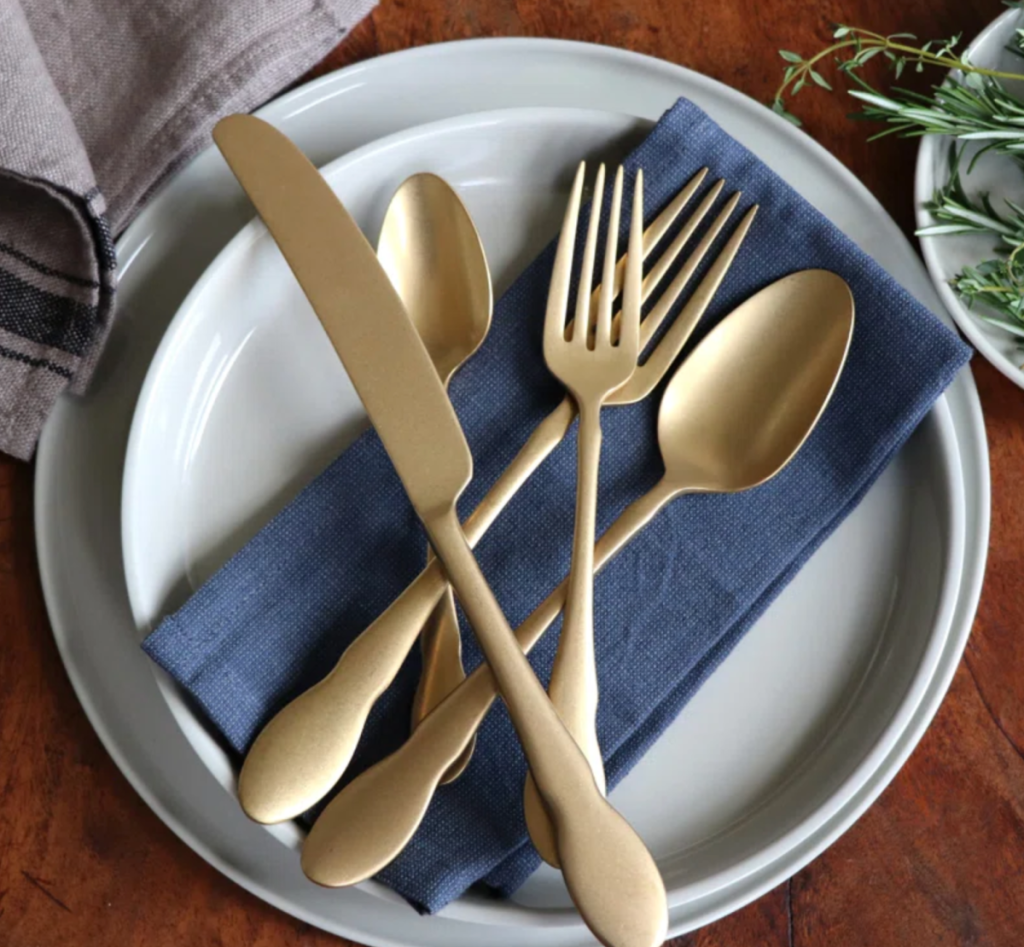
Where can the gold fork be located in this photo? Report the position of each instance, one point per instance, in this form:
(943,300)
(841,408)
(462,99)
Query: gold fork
(550,433)
(305,749)
(591,364)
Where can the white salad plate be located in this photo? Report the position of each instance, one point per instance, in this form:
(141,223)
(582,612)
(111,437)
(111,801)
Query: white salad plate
(997,175)
(791,768)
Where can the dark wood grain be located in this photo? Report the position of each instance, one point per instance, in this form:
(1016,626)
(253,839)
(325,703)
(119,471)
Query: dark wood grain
(938,860)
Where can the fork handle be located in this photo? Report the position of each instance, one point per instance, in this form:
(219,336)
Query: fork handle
(573,686)
(305,749)
(611,877)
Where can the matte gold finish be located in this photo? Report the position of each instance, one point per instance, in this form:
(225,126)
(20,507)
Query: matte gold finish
(434,257)
(591,367)
(303,752)
(609,873)
(343,280)
(733,415)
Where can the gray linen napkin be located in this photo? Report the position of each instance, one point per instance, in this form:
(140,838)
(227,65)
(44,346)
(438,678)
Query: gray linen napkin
(99,101)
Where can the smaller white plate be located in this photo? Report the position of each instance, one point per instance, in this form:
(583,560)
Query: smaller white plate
(998,175)
(245,402)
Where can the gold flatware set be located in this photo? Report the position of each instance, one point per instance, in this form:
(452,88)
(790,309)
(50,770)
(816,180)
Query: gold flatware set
(402,320)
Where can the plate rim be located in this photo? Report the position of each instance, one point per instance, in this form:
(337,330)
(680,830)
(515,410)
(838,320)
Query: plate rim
(967,414)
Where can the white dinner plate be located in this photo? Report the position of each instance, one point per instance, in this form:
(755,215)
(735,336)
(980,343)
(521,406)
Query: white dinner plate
(165,252)
(997,175)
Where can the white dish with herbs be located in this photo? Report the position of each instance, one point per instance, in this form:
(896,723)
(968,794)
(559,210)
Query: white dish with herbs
(1002,178)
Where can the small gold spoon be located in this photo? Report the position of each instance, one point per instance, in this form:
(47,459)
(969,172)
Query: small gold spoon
(734,414)
(434,257)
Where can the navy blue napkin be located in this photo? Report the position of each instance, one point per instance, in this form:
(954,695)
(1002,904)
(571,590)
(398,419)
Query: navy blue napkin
(671,607)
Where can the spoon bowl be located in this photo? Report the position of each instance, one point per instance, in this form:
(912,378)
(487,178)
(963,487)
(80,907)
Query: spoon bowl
(434,258)
(742,404)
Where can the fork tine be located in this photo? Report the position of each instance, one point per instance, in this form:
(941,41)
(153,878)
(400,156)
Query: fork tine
(561,273)
(629,330)
(659,226)
(667,350)
(650,323)
(604,301)
(665,261)
(668,298)
(581,324)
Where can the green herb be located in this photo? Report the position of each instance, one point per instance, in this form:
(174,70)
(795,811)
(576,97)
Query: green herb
(973,107)
(957,213)
(997,284)
(978,106)
(977,109)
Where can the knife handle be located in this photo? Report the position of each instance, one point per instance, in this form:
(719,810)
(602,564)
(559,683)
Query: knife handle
(305,749)
(438,680)
(542,441)
(611,877)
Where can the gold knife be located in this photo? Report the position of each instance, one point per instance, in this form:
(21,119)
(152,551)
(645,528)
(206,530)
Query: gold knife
(610,875)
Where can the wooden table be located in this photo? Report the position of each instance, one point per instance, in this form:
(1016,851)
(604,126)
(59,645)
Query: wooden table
(938,860)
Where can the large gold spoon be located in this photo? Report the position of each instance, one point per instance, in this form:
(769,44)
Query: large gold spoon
(733,415)
(435,259)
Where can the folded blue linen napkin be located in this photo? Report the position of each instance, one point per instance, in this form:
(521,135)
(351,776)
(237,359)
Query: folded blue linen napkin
(671,607)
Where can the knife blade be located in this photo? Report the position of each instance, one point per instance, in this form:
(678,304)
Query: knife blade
(338,270)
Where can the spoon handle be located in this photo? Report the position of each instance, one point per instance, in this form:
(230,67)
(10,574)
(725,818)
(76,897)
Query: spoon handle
(545,438)
(443,670)
(302,753)
(372,819)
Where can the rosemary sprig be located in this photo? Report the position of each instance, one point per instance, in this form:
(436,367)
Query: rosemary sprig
(973,107)
(855,47)
(977,109)
(996,284)
(957,213)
